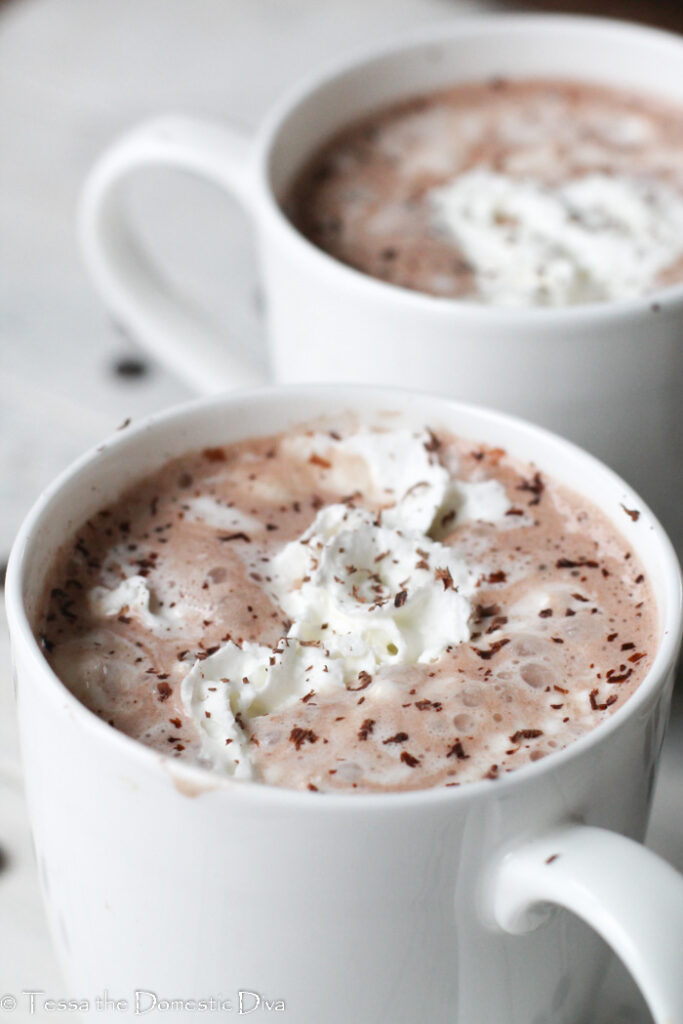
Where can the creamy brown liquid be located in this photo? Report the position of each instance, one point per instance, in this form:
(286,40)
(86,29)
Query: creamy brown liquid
(563,628)
(364,196)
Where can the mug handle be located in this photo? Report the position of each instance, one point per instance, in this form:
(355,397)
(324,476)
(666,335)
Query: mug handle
(131,288)
(630,896)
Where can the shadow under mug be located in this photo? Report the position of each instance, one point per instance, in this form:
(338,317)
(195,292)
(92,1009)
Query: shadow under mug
(433,905)
(608,375)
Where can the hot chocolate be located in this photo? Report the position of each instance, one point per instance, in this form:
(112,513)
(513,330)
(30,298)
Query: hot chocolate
(526,193)
(340,607)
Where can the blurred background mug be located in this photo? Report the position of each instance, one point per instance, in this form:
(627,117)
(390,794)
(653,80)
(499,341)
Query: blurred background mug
(606,375)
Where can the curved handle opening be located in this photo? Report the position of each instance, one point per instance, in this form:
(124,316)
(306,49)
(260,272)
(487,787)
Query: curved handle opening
(630,896)
(172,328)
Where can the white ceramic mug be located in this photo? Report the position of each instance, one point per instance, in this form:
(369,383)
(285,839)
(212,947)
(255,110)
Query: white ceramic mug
(426,906)
(608,376)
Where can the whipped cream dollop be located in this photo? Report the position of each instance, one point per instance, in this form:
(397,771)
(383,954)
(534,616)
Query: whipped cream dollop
(372,595)
(363,590)
(598,237)
(398,471)
(134,598)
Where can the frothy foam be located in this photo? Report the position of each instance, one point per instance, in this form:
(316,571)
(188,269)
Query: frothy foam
(342,607)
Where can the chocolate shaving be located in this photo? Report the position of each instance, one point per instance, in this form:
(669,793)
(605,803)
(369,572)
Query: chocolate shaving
(427,705)
(364,678)
(317,460)
(621,678)
(399,737)
(445,576)
(580,563)
(632,513)
(601,707)
(165,691)
(496,577)
(534,486)
(299,736)
(234,536)
(493,649)
(525,734)
(400,598)
(214,454)
(458,751)
(366,728)
(408,759)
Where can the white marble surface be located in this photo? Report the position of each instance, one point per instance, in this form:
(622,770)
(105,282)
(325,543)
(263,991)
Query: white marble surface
(72,74)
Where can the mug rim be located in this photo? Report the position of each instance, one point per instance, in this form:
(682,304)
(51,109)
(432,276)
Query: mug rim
(205,779)
(359,59)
